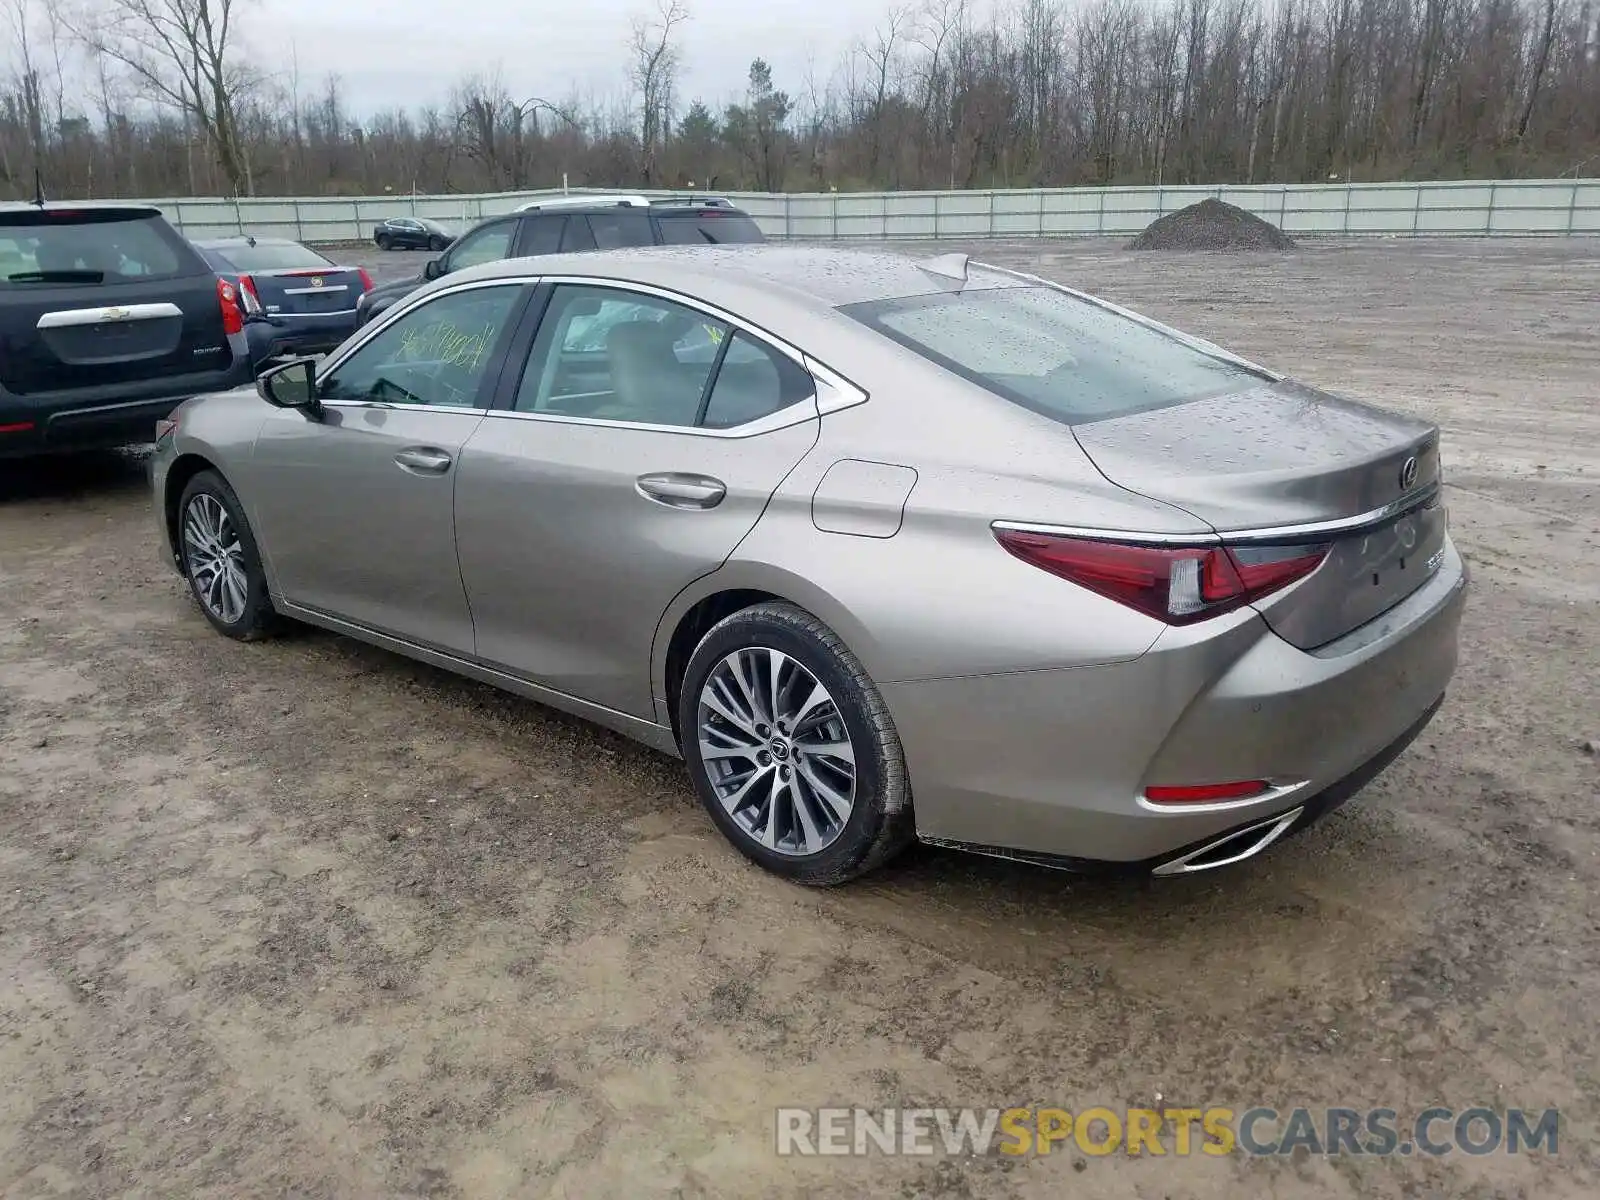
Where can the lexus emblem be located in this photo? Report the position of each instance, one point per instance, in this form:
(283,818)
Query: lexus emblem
(1408,474)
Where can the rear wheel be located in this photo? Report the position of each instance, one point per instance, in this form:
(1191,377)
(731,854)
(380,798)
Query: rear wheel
(791,747)
(436,244)
(384,241)
(220,560)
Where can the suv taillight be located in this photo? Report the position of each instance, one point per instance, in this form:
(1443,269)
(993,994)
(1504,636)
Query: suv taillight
(1175,584)
(232,314)
(366,280)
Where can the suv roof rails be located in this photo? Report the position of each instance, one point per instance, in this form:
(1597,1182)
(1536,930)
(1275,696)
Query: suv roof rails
(607,200)
(708,201)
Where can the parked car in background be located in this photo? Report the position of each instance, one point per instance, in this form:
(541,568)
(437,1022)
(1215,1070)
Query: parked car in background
(308,301)
(412,233)
(567,224)
(108,320)
(924,548)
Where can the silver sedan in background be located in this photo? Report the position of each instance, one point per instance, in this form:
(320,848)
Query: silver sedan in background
(885,548)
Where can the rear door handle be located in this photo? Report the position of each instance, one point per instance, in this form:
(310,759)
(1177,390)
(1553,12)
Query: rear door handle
(423,460)
(678,490)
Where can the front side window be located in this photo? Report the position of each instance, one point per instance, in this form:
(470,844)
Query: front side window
(490,244)
(439,353)
(1063,357)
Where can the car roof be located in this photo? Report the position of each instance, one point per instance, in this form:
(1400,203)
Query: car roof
(813,276)
(240,239)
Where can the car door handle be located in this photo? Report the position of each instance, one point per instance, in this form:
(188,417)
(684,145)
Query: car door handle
(677,490)
(423,460)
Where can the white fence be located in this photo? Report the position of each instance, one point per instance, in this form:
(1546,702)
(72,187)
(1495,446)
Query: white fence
(1452,209)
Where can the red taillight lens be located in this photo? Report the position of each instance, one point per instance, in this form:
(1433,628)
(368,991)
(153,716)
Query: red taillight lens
(366,280)
(228,299)
(249,298)
(1207,793)
(1175,584)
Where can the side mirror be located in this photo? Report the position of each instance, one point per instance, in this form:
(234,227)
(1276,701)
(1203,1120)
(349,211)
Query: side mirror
(433,268)
(291,385)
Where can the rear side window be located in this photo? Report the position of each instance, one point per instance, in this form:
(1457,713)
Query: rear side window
(280,256)
(754,381)
(1049,351)
(541,235)
(613,230)
(714,229)
(54,249)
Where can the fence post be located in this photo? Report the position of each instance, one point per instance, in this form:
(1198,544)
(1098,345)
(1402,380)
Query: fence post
(299,225)
(1283,203)
(1572,207)
(991,212)
(1100,215)
(1488,217)
(1416,208)
(1042,195)
(936,216)
(884,219)
(788,221)
(1348,185)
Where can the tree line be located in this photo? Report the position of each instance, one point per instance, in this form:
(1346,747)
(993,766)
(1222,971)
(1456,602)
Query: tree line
(154,98)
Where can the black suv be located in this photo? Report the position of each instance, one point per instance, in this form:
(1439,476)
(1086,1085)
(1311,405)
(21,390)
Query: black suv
(109,319)
(573,223)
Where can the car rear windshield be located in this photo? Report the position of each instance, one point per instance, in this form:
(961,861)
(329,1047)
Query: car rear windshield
(1067,358)
(58,247)
(263,256)
(701,228)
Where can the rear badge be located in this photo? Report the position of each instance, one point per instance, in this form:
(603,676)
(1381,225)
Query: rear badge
(316,281)
(1408,474)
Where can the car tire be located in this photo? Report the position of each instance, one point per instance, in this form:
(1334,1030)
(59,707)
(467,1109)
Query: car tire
(436,244)
(384,241)
(218,554)
(743,767)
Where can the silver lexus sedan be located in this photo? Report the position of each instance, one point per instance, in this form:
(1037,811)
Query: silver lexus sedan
(885,548)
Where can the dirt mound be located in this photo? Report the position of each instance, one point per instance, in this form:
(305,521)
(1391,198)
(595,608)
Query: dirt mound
(1211,225)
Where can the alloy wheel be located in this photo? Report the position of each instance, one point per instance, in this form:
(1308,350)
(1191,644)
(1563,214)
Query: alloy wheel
(776,750)
(215,558)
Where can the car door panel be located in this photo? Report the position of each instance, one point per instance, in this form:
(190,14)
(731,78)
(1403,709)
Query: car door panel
(356,509)
(569,563)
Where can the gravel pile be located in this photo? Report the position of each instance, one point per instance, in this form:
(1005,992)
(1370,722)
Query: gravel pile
(1211,225)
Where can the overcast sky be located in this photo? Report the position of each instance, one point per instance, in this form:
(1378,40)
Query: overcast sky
(410,52)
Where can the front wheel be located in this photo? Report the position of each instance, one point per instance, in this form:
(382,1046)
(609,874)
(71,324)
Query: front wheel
(436,244)
(220,560)
(791,747)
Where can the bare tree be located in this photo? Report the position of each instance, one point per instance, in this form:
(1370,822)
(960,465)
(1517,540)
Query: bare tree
(655,74)
(181,51)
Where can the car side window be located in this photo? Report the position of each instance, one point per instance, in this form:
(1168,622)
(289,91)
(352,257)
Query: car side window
(754,381)
(620,356)
(615,229)
(439,353)
(576,236)
(541,235)
(489,244)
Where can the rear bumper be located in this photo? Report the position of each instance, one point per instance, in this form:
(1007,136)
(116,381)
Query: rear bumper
(51,423)
(300,335)
(1052,765)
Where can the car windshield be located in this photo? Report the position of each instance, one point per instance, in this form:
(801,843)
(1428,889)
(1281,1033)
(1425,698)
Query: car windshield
(714,228)
(269,256)
(86,248)
(1065,357)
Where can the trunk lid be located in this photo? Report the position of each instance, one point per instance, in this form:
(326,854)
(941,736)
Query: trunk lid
(308,292)
(1257,464)
(97,297)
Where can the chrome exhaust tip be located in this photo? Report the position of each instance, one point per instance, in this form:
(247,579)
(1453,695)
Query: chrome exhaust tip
(1232,847)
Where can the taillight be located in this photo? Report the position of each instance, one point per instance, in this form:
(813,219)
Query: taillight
(228,299)
(249,298)
(1208,793)
(1175,584)
(366,280)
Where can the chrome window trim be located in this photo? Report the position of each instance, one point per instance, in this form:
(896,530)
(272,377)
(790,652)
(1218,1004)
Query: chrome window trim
(1307,531)
(834,392)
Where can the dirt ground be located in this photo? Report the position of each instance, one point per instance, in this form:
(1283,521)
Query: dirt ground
(304,918)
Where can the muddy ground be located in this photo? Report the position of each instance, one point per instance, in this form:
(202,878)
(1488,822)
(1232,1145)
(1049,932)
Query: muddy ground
(304,918)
